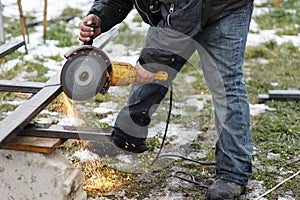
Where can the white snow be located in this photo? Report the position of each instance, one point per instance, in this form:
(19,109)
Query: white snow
(258,36)
(36,7)
(106,107)
(71,121)
(256,109)
(8,65)
(110,119)
(85,155)
(180,135)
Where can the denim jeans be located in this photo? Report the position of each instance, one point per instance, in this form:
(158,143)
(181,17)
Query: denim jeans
(221,47)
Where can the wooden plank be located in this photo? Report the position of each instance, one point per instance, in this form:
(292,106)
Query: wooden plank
(33,144)
(10,46)
(18,86)
(29,109)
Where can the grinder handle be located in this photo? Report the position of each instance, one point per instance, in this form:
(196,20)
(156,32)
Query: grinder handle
(124,74)
(94,26)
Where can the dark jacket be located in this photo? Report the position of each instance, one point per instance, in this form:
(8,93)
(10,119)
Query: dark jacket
(188,17)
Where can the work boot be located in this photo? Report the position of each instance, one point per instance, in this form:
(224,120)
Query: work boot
(222,189)
(128,142)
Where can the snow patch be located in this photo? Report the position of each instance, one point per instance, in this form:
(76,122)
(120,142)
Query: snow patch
(110,119)
(71,121)
(256,109)
(106,107)
(85,155)
(180,136)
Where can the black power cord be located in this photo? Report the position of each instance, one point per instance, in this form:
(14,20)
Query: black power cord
(179,174)
(167,125)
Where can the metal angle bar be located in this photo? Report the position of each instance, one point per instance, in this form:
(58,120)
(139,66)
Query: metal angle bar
(18,86)
(68,132)
(279,95)
(24,113)
(285,94)
(10,46)
(101,41)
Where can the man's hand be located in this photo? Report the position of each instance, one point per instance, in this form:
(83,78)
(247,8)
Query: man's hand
(142,75)
(86,32)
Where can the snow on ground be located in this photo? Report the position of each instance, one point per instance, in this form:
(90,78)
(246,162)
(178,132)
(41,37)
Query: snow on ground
(258,36)
(180,136)
(36,7)
(106,107)
(85,155)
(256,109)
(255,39)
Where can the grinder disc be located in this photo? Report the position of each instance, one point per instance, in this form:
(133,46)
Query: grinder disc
(84,74)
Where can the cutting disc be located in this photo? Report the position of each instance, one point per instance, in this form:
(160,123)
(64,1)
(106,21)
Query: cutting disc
(84,74)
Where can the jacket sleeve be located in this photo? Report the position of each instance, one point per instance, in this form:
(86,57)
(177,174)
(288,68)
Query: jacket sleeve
(170,42)
(111,12)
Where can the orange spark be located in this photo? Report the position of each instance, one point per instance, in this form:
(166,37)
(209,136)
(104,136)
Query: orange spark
(68,107)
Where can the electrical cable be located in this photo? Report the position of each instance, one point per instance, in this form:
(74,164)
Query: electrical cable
(192,179)
(188,159)
(167,124)
(177,174)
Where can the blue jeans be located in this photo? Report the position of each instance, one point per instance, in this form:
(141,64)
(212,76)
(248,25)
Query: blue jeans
(221,47)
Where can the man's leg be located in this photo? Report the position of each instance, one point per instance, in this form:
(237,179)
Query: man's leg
(222,47)
(131,127)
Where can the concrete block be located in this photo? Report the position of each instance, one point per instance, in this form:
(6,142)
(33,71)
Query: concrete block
(37,176)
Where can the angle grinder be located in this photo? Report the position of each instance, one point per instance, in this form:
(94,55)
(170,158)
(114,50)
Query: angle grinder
(88,71)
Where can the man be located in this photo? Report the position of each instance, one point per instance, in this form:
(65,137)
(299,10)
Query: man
(217,29)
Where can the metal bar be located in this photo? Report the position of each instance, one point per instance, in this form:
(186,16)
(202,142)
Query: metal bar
(68,132)
(24,113)
(105,38)
(285,94)
(18,86)
(10,46)
(279,95)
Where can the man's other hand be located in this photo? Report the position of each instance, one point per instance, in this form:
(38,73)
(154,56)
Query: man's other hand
(142,75)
